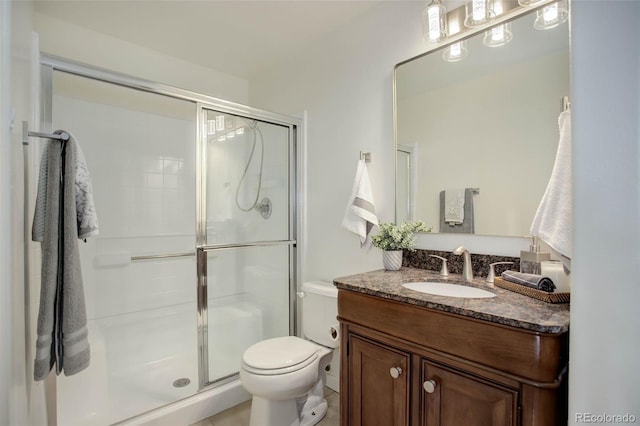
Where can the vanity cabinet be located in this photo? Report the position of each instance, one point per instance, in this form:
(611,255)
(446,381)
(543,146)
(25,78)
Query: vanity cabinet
(452,397)
(379,383)
(404,364)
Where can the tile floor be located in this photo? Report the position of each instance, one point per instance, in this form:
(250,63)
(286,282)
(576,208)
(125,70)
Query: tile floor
(239,415)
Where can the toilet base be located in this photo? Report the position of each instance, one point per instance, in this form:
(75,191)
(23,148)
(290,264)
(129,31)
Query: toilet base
(268,412)
(312,417)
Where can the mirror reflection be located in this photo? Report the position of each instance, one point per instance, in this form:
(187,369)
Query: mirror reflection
(483,130)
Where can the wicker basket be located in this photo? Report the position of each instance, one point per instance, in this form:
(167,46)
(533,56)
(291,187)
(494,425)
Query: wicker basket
(532,292)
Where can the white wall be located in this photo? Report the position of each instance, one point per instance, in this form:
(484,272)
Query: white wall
(344,81)
(605,323)
(15,105)
(83,45)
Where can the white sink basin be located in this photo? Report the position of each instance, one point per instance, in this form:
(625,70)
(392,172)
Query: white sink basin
(450,290)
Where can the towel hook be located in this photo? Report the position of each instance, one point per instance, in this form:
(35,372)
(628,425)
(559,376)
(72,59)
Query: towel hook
(366,156)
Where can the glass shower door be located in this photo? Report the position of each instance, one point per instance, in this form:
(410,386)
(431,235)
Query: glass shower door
(247,250)
(140,271)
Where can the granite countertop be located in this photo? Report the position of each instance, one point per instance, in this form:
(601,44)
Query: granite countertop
(507,308)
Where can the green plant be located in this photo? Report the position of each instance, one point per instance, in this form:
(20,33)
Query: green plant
(394,237)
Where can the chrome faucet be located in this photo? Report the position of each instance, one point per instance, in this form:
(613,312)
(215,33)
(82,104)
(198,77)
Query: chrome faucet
(467,268)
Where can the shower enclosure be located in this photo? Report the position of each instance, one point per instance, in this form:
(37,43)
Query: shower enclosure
(196,257)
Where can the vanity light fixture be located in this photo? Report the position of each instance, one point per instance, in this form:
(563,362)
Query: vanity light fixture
(551,16)
(456,52)
(434,24)
(478,13)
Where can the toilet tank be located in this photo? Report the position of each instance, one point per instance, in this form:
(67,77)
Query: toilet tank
(320,312)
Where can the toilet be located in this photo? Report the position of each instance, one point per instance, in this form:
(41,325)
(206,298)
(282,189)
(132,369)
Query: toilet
(286,375)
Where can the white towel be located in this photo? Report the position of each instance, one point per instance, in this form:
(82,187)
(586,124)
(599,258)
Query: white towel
(360,217)
(552,222)
(454,206)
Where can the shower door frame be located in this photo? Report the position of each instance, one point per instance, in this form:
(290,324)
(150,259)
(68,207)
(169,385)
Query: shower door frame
(202,248)
(51,63)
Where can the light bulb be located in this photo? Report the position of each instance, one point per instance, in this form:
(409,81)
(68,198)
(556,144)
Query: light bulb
(456,52)
(478,13)
(551,16)
(220,122)
(434,22)
(498,35)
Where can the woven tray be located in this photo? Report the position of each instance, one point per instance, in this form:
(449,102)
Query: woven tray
(532,292)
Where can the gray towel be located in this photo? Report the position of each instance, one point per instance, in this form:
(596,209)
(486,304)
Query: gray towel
(62,322)
(467,226)
(87,217)
(538,282)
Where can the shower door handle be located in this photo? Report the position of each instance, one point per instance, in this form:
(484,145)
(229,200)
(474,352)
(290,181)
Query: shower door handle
(161,256)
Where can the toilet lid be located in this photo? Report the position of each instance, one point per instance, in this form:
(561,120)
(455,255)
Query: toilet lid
(280,352)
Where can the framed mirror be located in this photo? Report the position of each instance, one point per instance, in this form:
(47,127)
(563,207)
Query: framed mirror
(487,123)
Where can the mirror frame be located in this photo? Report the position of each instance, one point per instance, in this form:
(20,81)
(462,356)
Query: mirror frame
(512,10)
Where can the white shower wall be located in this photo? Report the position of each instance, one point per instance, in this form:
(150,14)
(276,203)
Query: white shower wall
(144,191)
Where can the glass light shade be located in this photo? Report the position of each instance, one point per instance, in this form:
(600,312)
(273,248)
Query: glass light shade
(434,23)
(551,16)
(219,122)
(478,13)
(456,52)
(498,35)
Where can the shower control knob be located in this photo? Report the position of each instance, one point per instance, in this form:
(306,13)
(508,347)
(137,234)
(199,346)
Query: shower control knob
(395,372)
(430,386)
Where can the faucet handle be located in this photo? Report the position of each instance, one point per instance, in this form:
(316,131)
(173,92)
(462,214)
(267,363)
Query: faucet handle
(492,273)
(444,271)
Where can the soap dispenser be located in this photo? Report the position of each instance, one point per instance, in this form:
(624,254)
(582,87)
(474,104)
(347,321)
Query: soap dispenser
(530,260)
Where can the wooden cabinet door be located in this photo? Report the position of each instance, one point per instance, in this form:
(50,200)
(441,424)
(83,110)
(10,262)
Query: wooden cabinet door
(378,384)
(459,399)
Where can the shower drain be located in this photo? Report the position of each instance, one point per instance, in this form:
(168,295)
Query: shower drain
(181,382)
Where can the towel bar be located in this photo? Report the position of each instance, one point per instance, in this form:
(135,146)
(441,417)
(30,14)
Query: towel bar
(26,134)
(161,256)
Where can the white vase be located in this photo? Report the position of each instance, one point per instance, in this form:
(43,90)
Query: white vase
(392,259)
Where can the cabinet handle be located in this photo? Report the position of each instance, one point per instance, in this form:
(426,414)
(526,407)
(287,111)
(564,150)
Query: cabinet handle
(395,372)
(430,386)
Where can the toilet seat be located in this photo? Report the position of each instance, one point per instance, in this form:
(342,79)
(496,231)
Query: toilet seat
(279,355)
